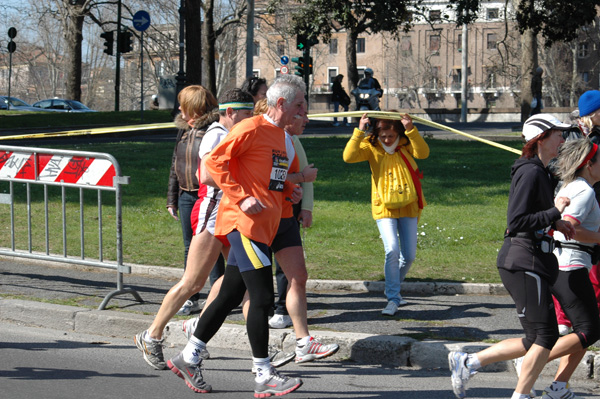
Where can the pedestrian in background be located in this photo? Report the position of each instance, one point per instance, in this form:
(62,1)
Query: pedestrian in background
(256,86)
(391,149)
(199,109)
(339,97)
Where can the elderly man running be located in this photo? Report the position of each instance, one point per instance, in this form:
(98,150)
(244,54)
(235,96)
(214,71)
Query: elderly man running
(250,165)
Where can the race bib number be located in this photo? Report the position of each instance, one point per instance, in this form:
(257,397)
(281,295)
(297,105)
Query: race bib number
(278,173)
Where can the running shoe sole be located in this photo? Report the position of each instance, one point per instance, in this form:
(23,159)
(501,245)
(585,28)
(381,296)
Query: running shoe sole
(269,392)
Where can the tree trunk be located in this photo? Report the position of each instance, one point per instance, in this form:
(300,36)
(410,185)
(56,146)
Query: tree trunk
(74,38)
(193,42)
(351,37)
(574,76)
(209,47)
(529,60)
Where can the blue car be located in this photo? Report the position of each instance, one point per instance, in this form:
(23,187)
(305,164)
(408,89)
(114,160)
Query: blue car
(61,105)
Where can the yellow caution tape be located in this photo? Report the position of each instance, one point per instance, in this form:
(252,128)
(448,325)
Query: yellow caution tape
(397,115)
(85,132)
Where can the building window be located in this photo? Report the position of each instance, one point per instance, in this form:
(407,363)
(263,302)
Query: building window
(331,74)
(583,50)
(256,52)
(280,47)
(360,45)
(435,15)
(434,43)
(406,46)
(459,42)
(257,22)
(333,46)
(491,41)
(361,72)
(585,76)
(492,13)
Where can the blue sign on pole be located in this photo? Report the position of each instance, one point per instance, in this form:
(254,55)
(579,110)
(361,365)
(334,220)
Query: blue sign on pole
(284,60)
(141,20)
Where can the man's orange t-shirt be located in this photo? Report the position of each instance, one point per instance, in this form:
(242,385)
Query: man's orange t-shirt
(251,161)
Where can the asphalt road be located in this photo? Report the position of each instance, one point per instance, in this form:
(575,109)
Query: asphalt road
(50,364)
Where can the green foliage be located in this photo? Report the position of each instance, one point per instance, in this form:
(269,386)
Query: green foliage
(556,20)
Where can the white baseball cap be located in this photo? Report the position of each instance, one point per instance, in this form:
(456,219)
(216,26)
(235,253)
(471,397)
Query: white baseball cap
(538,124)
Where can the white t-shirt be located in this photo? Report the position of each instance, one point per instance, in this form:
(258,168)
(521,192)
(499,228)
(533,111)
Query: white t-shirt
(213,136)
(583,208)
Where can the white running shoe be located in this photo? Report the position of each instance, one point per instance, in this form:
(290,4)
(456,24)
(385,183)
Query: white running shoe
(189,307)
(390,309)
(460,373)
(280,321)
(314,350)
(564,393)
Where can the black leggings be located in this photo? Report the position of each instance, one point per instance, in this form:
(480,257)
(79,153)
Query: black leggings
(259,284)
(573,289)
(535,307)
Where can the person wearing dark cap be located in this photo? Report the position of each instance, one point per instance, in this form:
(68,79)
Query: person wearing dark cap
(525,262)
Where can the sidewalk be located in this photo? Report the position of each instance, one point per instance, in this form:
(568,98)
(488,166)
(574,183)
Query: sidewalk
(439,317)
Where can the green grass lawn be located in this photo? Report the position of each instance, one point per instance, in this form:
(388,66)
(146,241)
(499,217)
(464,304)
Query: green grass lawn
(465,184)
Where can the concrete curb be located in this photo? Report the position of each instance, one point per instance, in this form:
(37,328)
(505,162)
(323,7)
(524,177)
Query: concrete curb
(420,288)
(390,351)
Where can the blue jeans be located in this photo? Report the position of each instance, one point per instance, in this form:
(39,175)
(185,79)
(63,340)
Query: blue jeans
(336,108)
(399,238)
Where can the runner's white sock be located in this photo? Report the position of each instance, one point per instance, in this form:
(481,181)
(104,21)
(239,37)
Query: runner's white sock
(472,362)
(517,395)
(303,341)
(191,352)
(263,368)
(146,336)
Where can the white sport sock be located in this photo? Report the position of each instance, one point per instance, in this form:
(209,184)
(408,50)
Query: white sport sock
(191,352)
(263,368)
(146,336)
(517,395)
(303,341)
(472,362)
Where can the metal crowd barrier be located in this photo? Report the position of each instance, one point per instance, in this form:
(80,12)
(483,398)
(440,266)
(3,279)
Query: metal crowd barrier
(77,170)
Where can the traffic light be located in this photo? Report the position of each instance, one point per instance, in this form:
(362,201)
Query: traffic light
(300,69)
(309,69)
(125,42)
(108,42)
(301,42)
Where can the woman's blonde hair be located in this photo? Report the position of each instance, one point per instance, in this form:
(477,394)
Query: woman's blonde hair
(196,101)
(570,157)
(587,120)
(260,107)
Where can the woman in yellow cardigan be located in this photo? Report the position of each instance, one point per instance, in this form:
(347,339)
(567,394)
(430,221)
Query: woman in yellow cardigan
(401,140)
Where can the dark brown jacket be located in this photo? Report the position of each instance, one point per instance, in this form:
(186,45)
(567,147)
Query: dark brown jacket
(185,156)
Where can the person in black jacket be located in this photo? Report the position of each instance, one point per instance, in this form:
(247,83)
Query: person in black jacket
(339,97)
(199,109)
(525,262)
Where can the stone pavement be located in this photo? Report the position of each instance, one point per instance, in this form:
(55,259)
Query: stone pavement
(439,316)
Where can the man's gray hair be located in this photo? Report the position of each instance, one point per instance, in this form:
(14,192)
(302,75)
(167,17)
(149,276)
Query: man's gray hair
(286,87)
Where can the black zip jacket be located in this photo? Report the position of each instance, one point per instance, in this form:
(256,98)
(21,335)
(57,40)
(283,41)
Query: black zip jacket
(530,208)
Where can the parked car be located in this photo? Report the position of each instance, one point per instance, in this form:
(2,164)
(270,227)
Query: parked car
(16,104)
(62,105)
